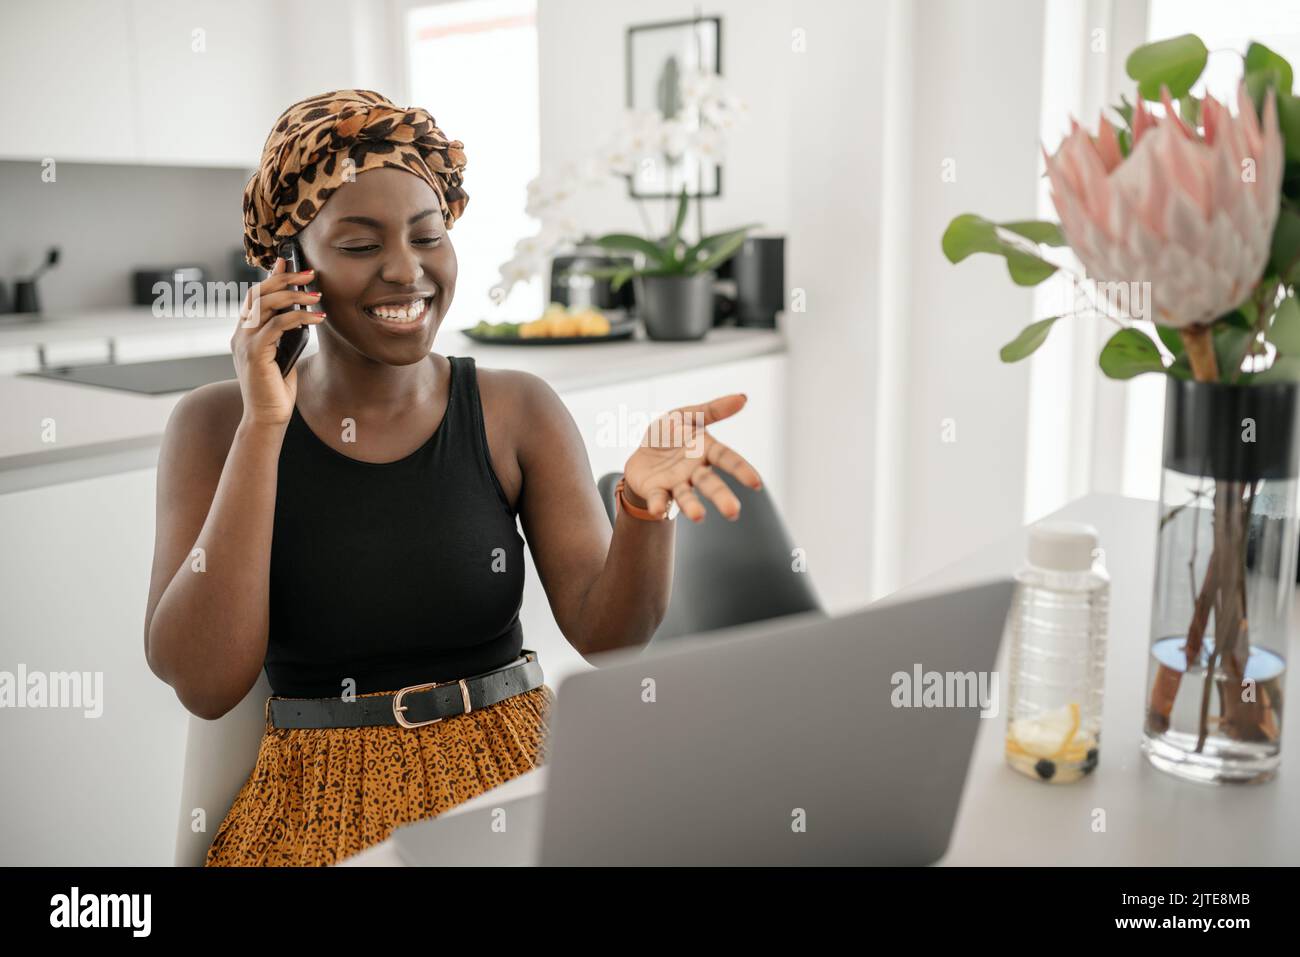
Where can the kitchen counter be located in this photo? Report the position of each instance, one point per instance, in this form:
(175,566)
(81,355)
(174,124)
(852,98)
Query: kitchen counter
(24,329)
(100,431)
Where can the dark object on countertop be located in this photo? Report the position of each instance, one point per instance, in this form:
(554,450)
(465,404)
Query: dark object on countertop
(758,272)
(149,378)
(26,298)
(241,271)
(572,285)
(676,308)
(174,279)
(4,299)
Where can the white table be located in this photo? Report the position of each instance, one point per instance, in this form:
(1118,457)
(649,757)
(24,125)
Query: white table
(1149,817)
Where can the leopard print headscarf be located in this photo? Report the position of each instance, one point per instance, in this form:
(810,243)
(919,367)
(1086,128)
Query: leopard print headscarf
(326,140)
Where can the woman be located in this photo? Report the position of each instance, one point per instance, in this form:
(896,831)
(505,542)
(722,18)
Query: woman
(351,527)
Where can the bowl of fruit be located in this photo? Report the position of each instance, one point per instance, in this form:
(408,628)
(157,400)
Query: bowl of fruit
(559,325)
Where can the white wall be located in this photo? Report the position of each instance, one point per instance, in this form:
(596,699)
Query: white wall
(975,94)
(836,151)
(856,106)
(581,63)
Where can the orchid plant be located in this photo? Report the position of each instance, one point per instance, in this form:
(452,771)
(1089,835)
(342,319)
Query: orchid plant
(1192,215)
(643,136)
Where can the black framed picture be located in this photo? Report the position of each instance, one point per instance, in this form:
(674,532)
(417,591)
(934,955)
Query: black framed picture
(658,55)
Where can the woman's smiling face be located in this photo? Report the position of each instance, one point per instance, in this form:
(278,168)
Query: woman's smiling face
(384,265)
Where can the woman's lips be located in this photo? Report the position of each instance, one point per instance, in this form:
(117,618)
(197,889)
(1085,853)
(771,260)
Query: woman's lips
(401,317)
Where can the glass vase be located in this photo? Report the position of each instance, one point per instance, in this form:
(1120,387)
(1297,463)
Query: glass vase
(1225,581)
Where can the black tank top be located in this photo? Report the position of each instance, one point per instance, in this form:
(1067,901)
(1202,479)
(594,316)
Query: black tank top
(393,573)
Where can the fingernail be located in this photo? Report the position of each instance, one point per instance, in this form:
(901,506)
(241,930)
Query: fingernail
(316,294)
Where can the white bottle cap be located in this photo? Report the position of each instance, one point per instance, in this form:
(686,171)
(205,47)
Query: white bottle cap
(1062,546)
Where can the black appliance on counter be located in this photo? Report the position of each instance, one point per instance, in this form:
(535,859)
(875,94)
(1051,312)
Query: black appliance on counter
(175,278)
(754,280)
(572,285)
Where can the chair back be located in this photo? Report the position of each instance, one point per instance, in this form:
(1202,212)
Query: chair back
(219,756)
(729,573)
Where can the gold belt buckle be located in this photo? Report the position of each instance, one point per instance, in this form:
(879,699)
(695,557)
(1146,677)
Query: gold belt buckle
(398,707)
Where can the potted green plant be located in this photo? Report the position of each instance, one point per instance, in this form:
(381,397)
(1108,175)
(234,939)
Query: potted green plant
(674,278)
(693,119)
(1189,218)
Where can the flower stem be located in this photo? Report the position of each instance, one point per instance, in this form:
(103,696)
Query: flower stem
(1200,353)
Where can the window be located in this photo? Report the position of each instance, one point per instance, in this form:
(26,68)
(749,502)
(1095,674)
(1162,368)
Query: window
(473,65)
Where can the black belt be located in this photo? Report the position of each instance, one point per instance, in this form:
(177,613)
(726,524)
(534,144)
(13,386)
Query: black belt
(413,706)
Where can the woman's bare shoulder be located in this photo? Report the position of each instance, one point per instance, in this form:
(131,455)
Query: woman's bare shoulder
(202,425)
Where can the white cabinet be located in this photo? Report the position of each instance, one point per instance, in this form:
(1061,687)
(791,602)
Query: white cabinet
(142,81)
(174,346)
(16,359)
(67,73)
(206,80)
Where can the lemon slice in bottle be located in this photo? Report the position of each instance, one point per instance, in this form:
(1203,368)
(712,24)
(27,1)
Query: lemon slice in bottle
(1047,736)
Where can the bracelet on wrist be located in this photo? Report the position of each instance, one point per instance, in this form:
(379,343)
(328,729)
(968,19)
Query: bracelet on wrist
(636,511)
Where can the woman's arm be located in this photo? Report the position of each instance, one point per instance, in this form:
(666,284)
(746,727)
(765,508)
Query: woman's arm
(208,616)
(612,591)
(206,624)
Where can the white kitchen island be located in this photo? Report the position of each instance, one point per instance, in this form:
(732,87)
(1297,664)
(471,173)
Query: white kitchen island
(76,544)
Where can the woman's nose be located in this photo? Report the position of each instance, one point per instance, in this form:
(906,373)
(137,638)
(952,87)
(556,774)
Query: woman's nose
(401,267)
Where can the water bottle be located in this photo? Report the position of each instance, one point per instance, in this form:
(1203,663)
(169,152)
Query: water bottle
(1058,624)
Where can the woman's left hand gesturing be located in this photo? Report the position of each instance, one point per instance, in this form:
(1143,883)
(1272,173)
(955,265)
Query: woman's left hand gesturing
(676,459)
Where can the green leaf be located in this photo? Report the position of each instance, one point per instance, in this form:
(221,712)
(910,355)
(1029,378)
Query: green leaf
(1239,318)
(719,253)
(620,277)
(1037,231)
(1172,339)
(1176,63)
(683,205)
(1284,332)
(626,241)
(1283,369)
(1231,343)
(968,234)
(1181,369)
(1125,139)
(709,244)
(1129,352)
(1284,259)
(1030,338)
(1258,84)
(1189,108)
(1261,58)
(1288,121)
(1125,110)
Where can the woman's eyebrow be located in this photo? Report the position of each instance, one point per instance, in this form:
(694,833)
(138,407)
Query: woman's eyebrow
(376,224)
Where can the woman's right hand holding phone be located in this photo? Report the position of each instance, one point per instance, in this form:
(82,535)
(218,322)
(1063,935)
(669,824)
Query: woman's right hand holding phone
(264,317)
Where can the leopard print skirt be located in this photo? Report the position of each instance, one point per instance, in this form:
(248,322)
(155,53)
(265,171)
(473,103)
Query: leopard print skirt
(318,795)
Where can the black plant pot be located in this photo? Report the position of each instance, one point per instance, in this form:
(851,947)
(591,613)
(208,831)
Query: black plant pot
(676,307)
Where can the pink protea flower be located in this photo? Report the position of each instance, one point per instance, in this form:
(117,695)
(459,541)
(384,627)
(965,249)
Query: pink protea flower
(1192,212)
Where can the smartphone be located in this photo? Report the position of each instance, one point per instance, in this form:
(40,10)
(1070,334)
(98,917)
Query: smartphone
(294,340)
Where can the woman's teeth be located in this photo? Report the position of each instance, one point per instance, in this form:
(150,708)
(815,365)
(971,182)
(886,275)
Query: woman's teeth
(399,312)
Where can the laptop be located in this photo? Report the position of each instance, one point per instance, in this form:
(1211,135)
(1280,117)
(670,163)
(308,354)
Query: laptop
(801,740)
